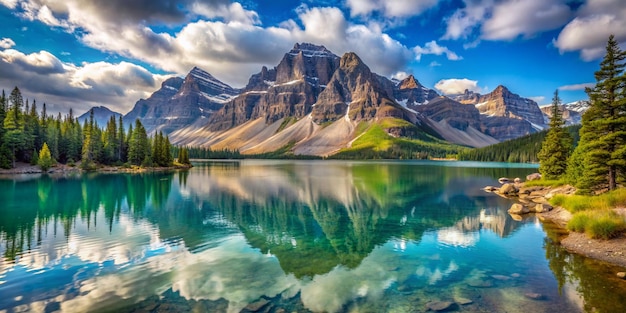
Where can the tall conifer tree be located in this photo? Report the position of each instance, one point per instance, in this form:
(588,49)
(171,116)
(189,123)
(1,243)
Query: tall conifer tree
(600,154)
(556,147)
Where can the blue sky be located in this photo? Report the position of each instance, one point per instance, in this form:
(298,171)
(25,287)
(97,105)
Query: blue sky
(83,53)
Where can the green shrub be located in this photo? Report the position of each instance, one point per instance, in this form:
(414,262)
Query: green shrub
(579,222)
(598,224)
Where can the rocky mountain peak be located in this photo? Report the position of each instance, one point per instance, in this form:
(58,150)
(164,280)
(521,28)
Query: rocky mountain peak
(350,60)
(501,90)
(409,83)
(309,49)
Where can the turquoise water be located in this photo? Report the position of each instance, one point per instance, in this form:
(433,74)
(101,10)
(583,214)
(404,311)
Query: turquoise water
(284,236)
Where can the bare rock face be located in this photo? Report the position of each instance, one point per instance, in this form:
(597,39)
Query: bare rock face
(410,93)
(288,90)
(182,102)
(505,115)
(354,93)
(457,115)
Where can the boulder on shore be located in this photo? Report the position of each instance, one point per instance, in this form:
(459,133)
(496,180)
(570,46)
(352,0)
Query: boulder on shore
(508,189)
(533,176)
(504,180)
(519,209)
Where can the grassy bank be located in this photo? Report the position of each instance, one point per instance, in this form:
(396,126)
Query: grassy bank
(595,215)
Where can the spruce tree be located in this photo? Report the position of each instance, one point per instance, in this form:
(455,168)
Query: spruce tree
(603,134)
(556,147)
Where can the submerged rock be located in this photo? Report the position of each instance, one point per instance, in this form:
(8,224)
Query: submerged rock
(621,275)
(463,301)
(257,305)
(500,277)
(534,296)
(442,306)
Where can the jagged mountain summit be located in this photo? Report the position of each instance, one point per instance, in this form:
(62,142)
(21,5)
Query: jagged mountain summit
(505,115)
(101,115)
(182,102)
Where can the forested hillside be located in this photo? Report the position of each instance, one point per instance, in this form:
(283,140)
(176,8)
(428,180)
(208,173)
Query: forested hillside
(520,150)
(26,133)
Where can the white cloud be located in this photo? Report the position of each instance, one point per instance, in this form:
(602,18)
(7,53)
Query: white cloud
(11,4)
(434,64)
(575,87)
(589,31)
(463,22)
(400,75)
(538,99)
(456,86)
(505,20)
(42,76)
(514,18)
(390,9)
(6,43)
(232,45)
(434,48)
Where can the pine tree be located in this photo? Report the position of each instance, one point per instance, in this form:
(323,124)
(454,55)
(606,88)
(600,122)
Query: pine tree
(14,125)
(45,158)
(555,149)
(603,134)
(138,146)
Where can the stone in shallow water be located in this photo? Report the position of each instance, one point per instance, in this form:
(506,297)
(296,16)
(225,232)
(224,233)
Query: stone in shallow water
(500,277)
(442,306)
(534,296)
(516,275)
(621,275)
(257,305)
(480,283)
(463,301)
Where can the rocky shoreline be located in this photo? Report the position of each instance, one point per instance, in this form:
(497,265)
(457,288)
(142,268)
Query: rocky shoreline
(534,200)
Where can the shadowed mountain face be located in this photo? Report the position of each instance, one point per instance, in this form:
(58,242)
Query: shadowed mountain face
(182,102)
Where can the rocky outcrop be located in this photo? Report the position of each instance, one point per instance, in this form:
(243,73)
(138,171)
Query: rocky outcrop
(180,103)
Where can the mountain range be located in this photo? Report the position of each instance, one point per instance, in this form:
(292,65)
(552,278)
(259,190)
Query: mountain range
(317,103)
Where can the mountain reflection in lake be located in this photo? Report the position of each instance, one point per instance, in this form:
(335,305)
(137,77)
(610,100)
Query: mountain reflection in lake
(276,236)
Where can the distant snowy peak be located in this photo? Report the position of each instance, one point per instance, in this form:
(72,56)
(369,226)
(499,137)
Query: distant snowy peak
(311,50)
(579,106)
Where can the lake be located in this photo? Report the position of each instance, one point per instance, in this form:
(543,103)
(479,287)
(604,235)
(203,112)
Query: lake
(288,236)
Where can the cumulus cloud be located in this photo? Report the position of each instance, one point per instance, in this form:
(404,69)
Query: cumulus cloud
(456,86)
(390,9)
(575,87)
(506,20)
(11,4)
(400,75)
(434,48)
(596,20)
(42,76)
(226,40)
(6,43)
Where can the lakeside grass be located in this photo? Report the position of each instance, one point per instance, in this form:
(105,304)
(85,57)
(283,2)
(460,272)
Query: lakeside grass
(545,183)
(594,215)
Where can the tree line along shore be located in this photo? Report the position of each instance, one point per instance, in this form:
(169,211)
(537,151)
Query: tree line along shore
(39,139)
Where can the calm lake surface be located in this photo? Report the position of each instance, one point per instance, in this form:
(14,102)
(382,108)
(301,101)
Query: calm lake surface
(285,236)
